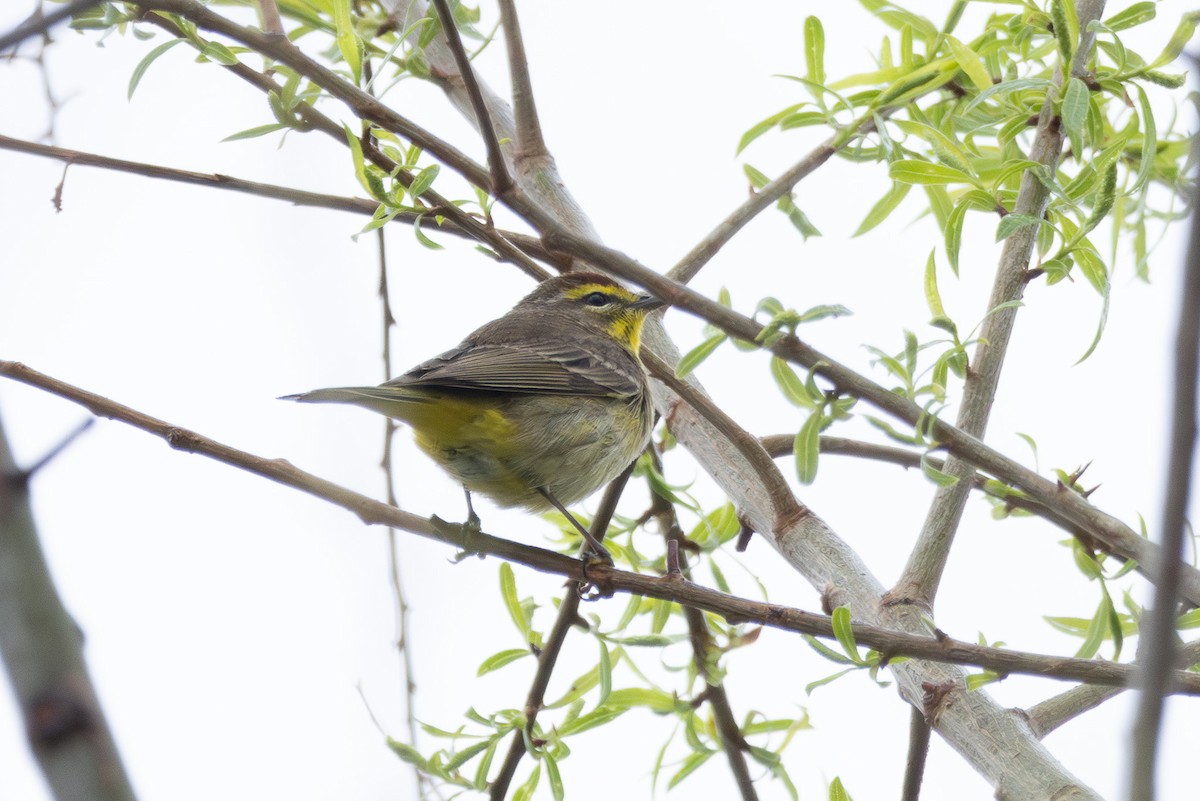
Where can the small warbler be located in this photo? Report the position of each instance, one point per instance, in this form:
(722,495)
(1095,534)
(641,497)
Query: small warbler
(538,408)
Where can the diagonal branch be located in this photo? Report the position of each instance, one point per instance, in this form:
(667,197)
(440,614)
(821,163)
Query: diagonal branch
(528,244)
(42,651)
(311,117)
(568,616)
(1116,537)
(500,178)
(39,23)
(888,642)
(918,583)
(695,259)
(1158,645)
(530,143)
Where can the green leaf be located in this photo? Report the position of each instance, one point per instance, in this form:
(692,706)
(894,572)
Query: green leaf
(1011,223)
(1074,113)
(508,591)
(837,792)
(407,753)
(883,207)
(970,63)
(693,761)
(144,64)
(845,634)
(348,42)
(807,447)
(658,701)
(814,50)
(497,661)
(933,298)
(251,133)
(1149,141)
(760,128)
(464,756)
(692,359)
(1136,14)
(913,171)
(790,384)
(219,53)
(1005,87)
(1179,39)
(936,476)
(1097,630)
(1062,14)
(525,791)
(556,783)
(420,235)
(423,180)
(1093,268)
(605,672)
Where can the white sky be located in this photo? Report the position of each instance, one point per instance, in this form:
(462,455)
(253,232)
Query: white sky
(231,624)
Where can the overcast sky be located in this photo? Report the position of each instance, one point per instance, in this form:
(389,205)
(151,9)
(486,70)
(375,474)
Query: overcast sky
(241,635)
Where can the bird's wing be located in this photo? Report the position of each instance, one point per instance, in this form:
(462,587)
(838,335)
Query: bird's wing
(543,368)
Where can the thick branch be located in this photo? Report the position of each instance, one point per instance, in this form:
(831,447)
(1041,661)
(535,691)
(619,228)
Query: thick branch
(42,651)
(1158,646)
(888,642)
(918,584)
(1117,537)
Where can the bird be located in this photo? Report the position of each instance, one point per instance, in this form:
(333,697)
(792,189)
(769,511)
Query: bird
(536,409)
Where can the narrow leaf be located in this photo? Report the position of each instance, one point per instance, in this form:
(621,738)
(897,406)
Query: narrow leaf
(145,63)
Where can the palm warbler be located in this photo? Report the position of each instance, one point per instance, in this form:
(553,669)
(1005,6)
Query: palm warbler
(538,408)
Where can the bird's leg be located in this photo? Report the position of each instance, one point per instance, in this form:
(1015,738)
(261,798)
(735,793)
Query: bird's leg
(598,549)
(473,521)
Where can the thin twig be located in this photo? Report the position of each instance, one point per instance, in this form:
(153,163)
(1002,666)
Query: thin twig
(529,139)
(787,508)
(403,643)
(1158,646)
(38,23)
(547,658)
(299,197)
(695,259)
(730,734)
(919,581)
(50,455)
(310,116)
(918,750)
(608,579)
(500,177)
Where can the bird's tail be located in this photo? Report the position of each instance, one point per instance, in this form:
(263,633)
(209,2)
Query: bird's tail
(392,401)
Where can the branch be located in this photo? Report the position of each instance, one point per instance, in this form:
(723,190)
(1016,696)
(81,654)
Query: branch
(729,733)
(918,583)
(695,259)
(310,116)
(39,23)
(1158,646)
(530,143)
(1117,537)
(890,643)
(787,508)
(500,178)
(568,615)
(918,750)
(42,650)
(1048,715)
(528,244)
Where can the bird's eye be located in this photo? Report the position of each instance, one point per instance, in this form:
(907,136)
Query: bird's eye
(596,299)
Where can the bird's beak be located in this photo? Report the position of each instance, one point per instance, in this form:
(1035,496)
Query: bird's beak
(647,303)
